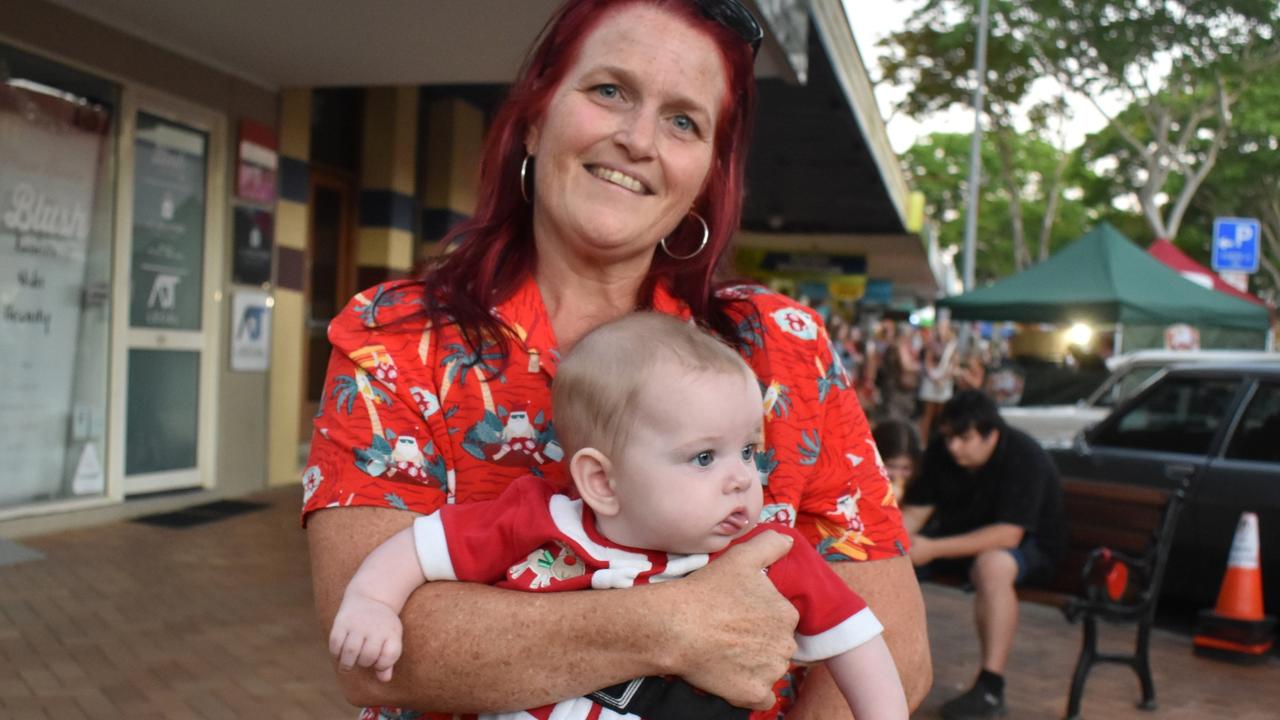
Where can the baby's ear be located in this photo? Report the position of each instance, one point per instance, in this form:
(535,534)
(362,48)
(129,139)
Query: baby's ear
(592,475)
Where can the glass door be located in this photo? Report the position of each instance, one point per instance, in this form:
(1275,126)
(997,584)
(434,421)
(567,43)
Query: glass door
(168,409)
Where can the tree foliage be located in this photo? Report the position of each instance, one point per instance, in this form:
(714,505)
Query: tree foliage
(934,56)
(937,166)
(1180,68)
(1245,183)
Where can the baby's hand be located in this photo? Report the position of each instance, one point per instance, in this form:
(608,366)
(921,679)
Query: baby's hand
(366,633)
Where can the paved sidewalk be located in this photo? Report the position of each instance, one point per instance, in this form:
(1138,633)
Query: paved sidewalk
(1044,656)
(135,621)
(214,621)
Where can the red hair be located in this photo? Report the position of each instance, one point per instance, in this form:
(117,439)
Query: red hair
(495,248)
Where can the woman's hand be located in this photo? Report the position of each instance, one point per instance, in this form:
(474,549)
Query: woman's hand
(732,634)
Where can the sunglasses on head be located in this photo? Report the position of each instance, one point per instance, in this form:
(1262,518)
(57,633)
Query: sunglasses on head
(732,14)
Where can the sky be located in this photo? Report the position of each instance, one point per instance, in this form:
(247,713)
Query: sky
(873,20)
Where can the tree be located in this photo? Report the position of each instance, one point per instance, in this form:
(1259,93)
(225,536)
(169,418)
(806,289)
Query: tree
(1178,66)
(935,164)
(1245,182)
(934,56)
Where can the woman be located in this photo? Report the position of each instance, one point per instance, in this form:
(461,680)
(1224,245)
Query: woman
(971,372)
(611,181)
(937,376)
(900,452)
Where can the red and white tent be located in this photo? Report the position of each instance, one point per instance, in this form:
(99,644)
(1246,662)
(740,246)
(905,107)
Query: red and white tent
(1169,254)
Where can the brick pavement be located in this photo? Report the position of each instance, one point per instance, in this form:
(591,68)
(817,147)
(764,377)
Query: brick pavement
(1044,656)
(135,621)
(214,621)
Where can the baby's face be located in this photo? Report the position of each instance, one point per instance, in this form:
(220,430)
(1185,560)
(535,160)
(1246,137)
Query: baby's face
(687,478)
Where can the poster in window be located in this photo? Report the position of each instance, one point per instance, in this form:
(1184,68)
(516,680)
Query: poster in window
(168,225)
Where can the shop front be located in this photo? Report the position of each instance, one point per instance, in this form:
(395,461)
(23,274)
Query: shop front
(114,299)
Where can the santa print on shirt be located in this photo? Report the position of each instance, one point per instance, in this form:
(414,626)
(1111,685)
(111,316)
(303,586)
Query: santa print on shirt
(413,418)
(533,539)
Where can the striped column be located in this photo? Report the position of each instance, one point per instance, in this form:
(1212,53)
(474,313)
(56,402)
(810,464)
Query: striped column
(384,246)
(454,139)
(288,324)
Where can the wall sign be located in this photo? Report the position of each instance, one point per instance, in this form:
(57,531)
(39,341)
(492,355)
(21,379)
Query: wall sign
(251,261)
(250,331)
(256,162)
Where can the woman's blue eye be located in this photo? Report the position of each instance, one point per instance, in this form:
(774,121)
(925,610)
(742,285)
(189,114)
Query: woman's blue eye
(685,124)
(704,458)
(607,90)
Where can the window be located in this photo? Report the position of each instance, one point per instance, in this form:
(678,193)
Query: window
(1125,385)
(1257,436)
(57,200)
(1180,415)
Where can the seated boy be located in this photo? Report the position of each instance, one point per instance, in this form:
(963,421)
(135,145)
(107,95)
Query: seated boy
(661,423)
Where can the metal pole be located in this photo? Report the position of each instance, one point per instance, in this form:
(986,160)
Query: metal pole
(975,148)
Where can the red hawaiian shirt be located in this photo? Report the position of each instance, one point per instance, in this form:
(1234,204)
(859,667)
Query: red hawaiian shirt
(413,418)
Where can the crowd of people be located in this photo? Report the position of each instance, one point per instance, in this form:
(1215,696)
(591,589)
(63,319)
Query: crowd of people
(906,373)
(980,500)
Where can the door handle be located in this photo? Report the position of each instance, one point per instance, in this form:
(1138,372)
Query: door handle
(1179,472)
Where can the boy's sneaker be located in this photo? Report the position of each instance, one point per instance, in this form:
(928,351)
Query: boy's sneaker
(977,704)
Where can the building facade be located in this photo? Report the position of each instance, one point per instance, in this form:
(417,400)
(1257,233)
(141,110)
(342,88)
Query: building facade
(188,196)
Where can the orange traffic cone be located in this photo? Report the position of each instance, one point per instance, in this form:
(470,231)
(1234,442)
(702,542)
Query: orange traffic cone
(1236,629)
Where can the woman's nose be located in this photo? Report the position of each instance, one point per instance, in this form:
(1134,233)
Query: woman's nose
(638,133)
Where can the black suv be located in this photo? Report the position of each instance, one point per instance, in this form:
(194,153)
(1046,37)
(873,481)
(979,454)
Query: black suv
(1218,427)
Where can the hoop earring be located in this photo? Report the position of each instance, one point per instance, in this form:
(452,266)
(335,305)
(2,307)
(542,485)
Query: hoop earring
(524,168)
(706,233)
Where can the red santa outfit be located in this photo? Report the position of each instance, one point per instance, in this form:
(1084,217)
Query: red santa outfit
(534,539)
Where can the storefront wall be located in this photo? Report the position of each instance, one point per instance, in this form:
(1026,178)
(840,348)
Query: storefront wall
(135,291)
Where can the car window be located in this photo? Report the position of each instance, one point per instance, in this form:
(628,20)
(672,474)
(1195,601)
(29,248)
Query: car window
(1133,380)
(1179,415)
(1123,385)
(1257,437)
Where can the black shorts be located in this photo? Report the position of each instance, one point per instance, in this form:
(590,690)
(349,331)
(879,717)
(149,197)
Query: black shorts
(1035,566)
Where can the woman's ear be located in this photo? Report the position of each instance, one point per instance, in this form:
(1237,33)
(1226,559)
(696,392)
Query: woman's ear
(531,140)
(593,476)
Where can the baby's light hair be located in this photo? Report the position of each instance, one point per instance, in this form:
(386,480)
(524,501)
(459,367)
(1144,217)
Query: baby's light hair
(597,388)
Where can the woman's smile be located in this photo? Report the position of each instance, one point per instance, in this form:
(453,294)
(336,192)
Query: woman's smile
(620,179)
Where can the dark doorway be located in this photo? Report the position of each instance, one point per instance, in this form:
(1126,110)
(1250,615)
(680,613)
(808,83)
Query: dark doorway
(331,275)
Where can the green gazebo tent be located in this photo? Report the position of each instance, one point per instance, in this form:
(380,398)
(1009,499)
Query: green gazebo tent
(1103,278)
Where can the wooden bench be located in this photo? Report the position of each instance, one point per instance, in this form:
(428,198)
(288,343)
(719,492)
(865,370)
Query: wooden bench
(1118,544)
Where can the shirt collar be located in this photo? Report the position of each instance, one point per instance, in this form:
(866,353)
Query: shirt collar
(526,313)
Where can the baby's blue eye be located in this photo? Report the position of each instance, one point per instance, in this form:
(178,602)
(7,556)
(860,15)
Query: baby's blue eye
(748,453)
(704,458)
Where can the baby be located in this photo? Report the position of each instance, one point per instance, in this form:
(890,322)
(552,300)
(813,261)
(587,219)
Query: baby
(661,423)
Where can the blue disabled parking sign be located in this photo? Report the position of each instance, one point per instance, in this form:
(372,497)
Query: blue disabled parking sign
(1235,244)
